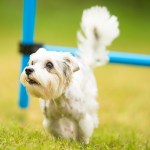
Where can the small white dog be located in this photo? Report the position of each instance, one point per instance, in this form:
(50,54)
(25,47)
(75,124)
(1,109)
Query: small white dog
(65,84)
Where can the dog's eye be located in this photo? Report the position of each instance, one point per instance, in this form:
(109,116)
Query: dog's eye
(49,65)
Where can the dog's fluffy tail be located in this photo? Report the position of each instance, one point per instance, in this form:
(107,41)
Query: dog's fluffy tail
(98,30)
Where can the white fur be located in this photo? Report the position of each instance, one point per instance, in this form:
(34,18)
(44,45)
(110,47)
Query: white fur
(68,90)
(98,30)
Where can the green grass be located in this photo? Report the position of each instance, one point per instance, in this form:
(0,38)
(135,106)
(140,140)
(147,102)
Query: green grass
(17,137)
(124,91)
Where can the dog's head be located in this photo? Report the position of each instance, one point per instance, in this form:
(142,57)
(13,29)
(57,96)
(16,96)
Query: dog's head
(48,73)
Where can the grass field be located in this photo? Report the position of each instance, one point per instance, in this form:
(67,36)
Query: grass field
(124,91)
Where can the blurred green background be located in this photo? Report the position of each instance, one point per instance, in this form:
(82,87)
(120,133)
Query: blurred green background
(124,91)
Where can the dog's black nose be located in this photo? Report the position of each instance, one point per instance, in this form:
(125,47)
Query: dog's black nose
(29,71)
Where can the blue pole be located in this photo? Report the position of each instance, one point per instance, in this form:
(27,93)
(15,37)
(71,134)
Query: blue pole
(129,58)
(114,57)
(72,50)
(29,12)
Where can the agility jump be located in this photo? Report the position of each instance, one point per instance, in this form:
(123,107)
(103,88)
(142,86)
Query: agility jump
(28,46)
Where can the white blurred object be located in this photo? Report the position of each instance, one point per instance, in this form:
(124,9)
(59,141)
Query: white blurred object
(98,30)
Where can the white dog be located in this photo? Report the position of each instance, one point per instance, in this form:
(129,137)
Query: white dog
(65,84)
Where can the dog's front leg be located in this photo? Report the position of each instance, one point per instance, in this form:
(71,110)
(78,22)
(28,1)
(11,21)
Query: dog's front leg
(86,127)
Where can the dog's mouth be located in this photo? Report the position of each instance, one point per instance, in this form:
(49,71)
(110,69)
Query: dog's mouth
(32,81)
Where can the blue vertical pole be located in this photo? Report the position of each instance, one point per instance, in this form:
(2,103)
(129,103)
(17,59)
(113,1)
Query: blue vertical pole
(29,12)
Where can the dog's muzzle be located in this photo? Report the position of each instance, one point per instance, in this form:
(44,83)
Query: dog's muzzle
(29,79)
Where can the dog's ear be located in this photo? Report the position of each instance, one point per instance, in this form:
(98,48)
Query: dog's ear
(71,61)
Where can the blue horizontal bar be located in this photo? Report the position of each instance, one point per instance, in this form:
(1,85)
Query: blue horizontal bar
(72,50)
(129,58)
(114,57)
